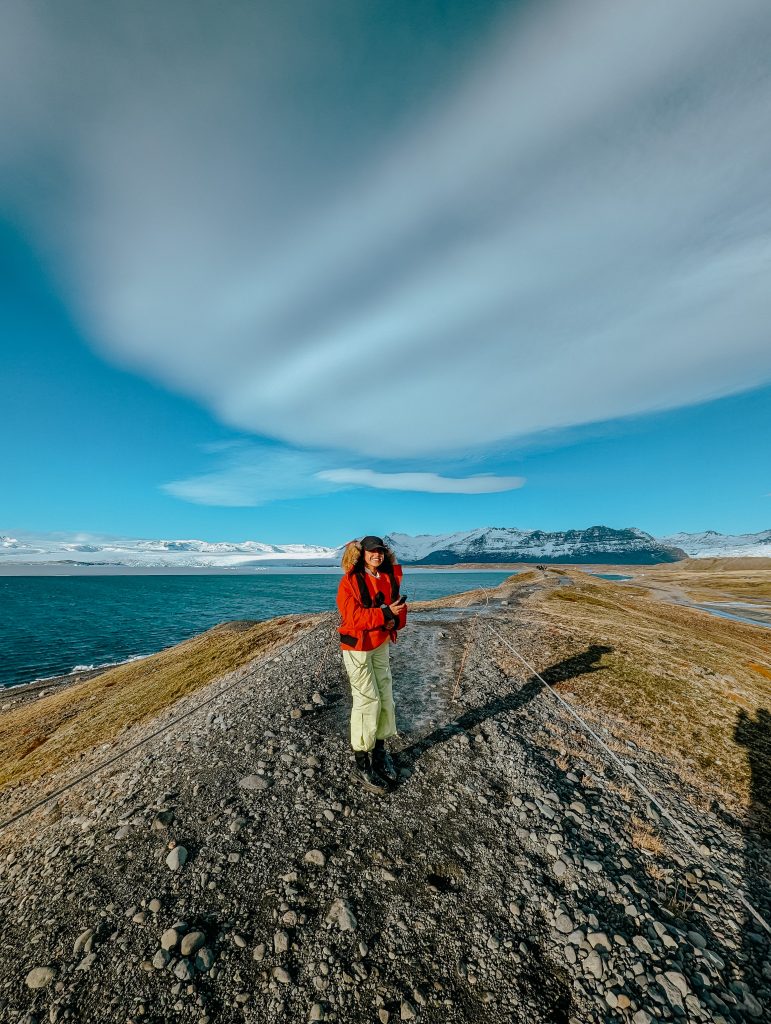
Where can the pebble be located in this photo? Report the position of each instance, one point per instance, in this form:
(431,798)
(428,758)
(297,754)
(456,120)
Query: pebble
(341,914)
(253,783)
(161,958)
(86,963)
(184,971)
(40,977)
(177,858)
(191,942)
(564,924)
(170,938)
(282,976)
(593,964)
(204,959)
(316,857)
(84,942)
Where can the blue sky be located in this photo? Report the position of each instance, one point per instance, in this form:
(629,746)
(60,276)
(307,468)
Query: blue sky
(400,270)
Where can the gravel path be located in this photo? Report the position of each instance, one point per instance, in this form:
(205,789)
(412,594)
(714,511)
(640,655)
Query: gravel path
(228,871)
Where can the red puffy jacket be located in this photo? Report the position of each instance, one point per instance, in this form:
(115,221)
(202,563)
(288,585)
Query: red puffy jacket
(362,628)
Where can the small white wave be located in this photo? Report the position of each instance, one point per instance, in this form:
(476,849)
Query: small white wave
(76,669)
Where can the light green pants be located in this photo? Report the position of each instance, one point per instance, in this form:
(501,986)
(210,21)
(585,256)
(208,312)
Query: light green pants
(372,710)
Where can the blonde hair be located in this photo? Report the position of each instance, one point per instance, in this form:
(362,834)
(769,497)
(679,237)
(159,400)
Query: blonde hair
(353,556)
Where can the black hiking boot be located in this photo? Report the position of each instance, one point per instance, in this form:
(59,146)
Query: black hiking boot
(383,763)
(365,775)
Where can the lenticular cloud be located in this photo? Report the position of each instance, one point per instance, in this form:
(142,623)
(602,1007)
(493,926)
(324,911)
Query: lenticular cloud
(574,227)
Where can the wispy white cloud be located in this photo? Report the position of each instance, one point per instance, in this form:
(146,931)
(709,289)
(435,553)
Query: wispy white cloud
(247,475)
(251,475)
(577,228)
(429,482)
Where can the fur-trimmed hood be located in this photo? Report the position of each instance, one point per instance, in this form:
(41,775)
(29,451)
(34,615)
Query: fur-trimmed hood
(353,556)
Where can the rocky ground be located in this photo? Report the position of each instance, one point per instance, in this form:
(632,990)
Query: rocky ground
(228,871)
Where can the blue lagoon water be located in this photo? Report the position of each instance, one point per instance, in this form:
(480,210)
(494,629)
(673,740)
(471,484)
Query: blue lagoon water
(51,625)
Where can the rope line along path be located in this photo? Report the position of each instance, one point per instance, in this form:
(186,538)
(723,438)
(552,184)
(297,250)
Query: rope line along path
(25,811)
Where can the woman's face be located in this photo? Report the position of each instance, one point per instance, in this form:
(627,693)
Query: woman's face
(374,559)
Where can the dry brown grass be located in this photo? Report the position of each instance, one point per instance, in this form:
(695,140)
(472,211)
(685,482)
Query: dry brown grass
(714,579)
(39,737)
(645,839)
(676,681)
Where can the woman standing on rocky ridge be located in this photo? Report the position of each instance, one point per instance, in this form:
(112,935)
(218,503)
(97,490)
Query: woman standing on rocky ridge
(372,614)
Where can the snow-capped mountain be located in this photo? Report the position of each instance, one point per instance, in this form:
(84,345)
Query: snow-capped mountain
(711,544)
(91,550)
(598,544)
(503,544)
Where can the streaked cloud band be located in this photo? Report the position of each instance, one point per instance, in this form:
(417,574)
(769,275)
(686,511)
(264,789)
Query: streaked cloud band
(576,228)
(427,482)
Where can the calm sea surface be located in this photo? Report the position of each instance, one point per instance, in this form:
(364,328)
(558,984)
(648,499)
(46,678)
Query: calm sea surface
(50,625)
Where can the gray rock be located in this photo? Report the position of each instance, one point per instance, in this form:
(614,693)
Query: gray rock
(678,980)
(406,1010)
(84,939)
(184,971)
(176,858)
(641,943)
(564,924)
(154,906)
(672,992)
(282,976)
(161,958)
(170,938)
(752,1006)
(697,939)
(259,952)
(316,857)
(317,1012)
(593,965)
(253,783)
(40,977)
(281,941)
(191,942)
(86,963)
(341,914)
(204,959)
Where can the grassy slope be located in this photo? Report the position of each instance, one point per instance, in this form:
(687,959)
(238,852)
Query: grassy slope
(677,681)
(39,737)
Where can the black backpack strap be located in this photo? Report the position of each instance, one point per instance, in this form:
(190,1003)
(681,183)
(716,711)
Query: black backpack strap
(389,571)
(366,597)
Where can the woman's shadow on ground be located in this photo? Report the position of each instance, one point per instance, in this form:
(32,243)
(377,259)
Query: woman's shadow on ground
(577,665)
